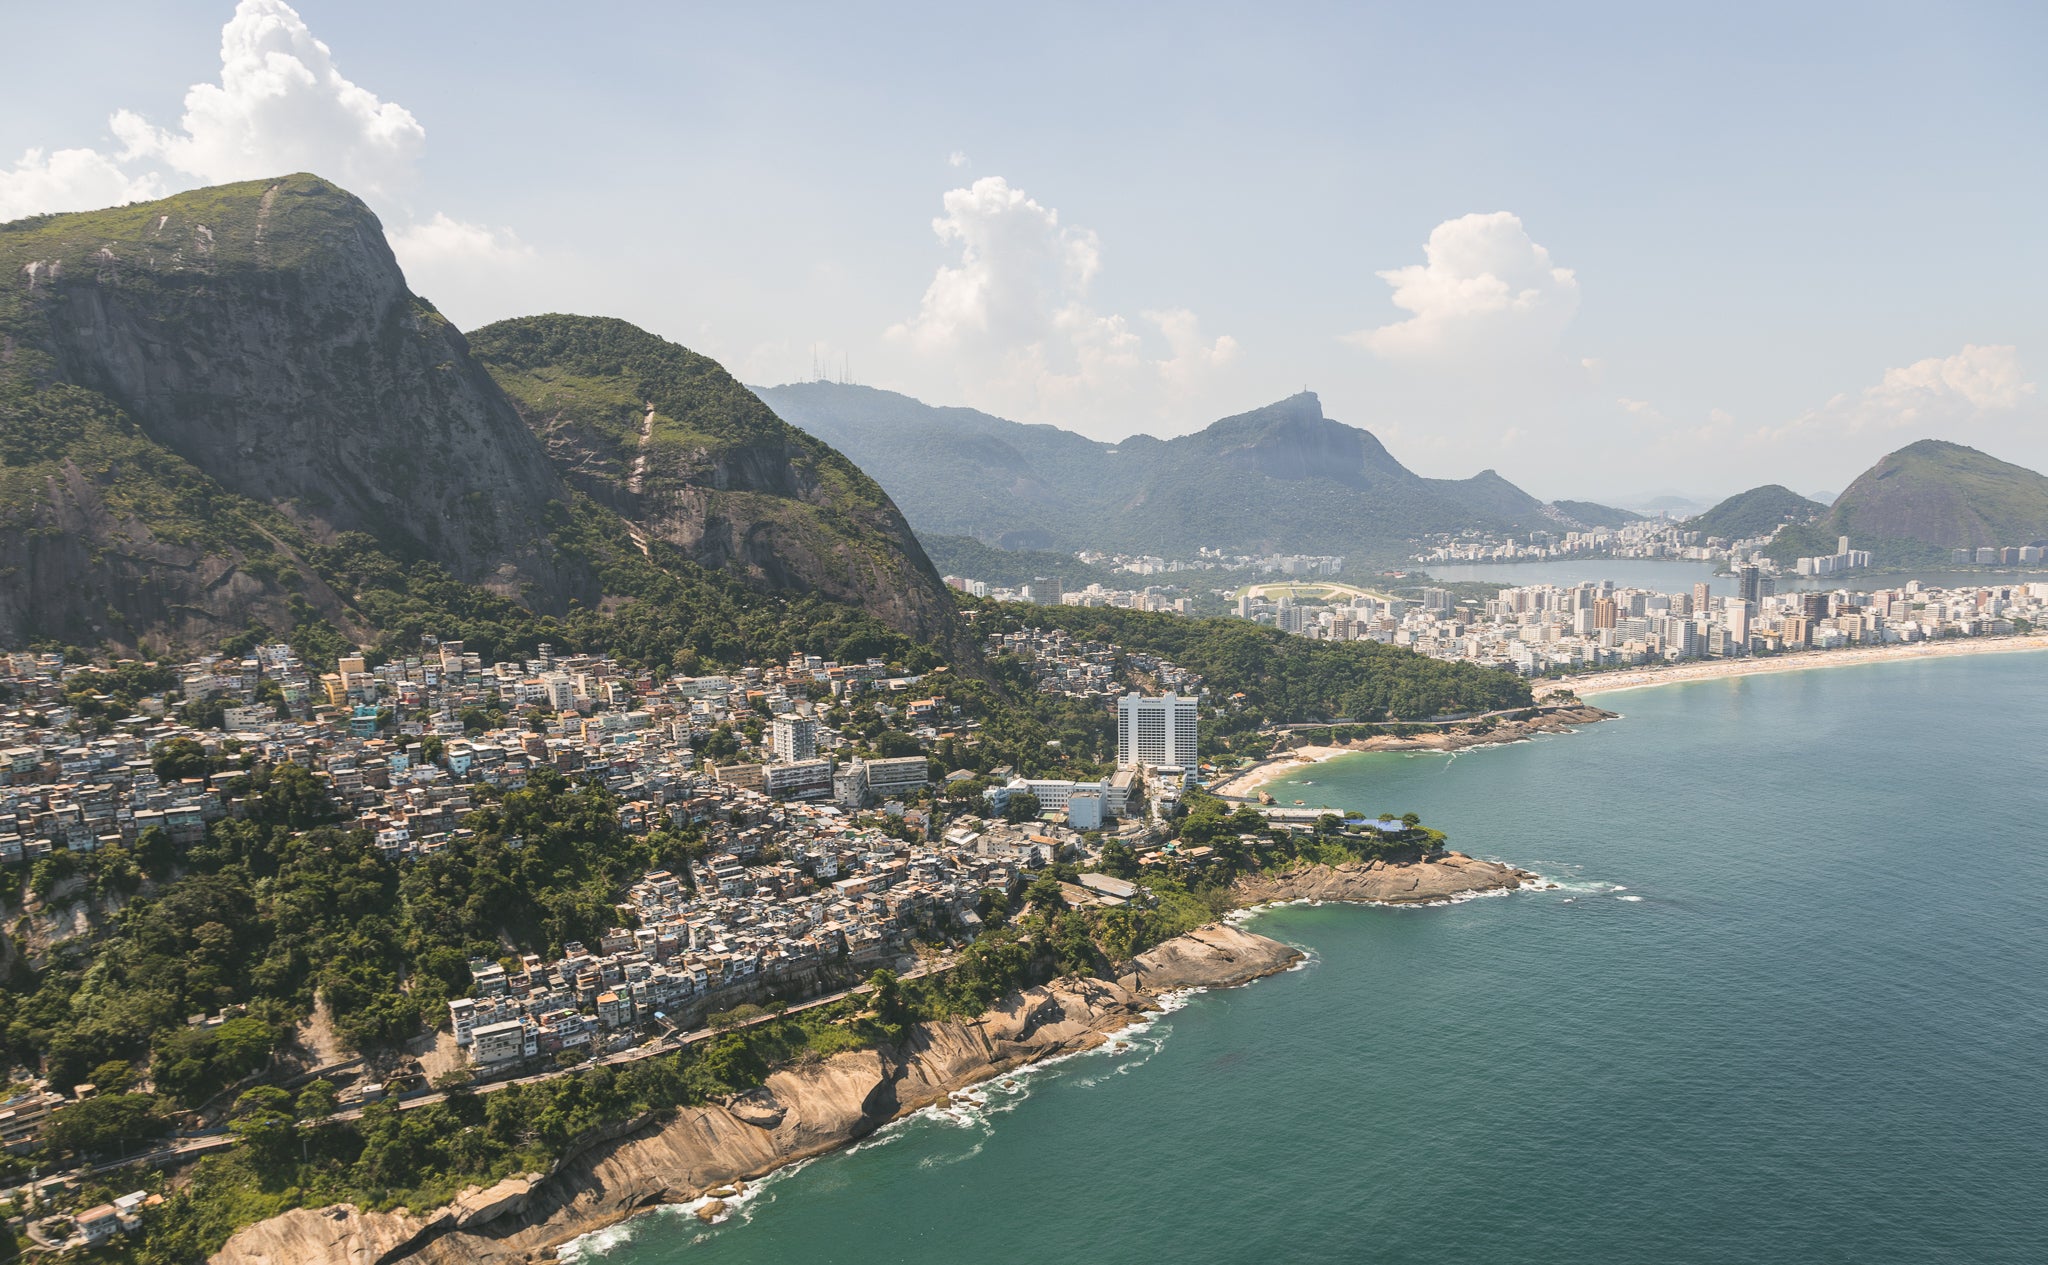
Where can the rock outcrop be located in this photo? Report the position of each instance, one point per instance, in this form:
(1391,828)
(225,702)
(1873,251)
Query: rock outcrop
(1217,951)
(799,1112)
(1439,877)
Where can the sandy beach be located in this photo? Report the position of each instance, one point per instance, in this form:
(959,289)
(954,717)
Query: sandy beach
(1709,670)
(1245,782)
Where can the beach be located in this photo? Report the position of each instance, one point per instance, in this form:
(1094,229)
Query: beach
(1715,669)
(1245,783)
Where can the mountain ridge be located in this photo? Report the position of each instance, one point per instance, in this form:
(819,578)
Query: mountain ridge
(227,410)
(1919,502)
(1284,477)
(1756,512)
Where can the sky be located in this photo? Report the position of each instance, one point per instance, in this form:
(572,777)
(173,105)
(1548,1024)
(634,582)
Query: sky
(1610,250)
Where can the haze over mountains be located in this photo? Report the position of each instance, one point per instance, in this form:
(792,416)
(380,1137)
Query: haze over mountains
(226,411)
(1287,479)
(1283,478)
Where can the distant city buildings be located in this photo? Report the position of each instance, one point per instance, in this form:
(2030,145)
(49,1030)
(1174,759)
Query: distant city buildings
(1543,628)
(2000,556)
(1651,538)
(1843,559)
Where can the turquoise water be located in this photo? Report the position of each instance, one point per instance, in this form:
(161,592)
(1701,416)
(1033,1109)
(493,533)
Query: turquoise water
(1790,1004)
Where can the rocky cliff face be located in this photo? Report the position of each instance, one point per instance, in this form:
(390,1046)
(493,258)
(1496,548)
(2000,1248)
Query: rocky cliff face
(1384,883)
(798,1112)
(264,334)
(201,396)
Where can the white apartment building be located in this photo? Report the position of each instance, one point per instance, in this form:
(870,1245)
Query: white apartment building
(1156,732)
(795,738)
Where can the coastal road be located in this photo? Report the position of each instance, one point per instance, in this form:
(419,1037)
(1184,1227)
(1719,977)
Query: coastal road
(648,1051)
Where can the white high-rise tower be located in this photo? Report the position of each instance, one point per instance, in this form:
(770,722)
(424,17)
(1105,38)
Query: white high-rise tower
(1156,732)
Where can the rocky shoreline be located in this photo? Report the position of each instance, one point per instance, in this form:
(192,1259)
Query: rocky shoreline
(799,1112)
(1434,878)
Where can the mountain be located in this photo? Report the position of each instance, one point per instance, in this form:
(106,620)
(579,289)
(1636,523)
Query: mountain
(668,440)
(1594,514)
(225,410)
(1281,478)
(1756,512)
(1918,503)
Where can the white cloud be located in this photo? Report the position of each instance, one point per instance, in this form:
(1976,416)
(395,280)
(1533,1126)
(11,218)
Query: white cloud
(1486,291)
(1937,393)
(958,158)
(281,105)
(475,273)
(443,241)
(70,180)
(1013,321)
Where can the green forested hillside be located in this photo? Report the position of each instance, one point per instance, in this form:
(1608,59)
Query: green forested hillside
(1757,512)
(675,446)
(1919,503)
(1284,677)
(224,411)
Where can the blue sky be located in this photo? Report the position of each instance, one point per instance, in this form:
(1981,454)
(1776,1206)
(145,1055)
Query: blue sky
(1669,250)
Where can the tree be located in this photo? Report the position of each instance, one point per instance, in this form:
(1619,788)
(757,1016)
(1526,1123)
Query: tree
(155,852)
(1022,806)
(1122,929)
(180,758)
(887,995)
(1119,860)
(316,1101)
(108,1123)
(263,1120)
(114,1076)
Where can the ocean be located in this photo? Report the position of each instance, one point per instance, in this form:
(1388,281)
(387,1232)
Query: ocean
(1789,1002)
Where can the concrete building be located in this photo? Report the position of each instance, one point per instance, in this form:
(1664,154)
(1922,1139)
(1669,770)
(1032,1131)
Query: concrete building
(1156,731)
(803,779)
(795,738)
(894,777)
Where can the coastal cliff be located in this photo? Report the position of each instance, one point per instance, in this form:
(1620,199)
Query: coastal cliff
(799,1112)
(1439,877)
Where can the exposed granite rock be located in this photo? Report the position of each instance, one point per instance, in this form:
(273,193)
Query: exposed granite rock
(1440,877)
(1208,954)
(699,1149)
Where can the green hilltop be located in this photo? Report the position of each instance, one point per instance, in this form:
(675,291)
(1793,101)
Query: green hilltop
(223,414)
(1757,512)
(1929,498)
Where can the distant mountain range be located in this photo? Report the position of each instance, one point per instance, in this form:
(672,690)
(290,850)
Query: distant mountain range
(1283,478)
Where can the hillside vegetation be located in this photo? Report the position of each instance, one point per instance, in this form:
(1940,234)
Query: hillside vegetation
(1757,512)
(224,411)
(1917,504)
(672,443)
